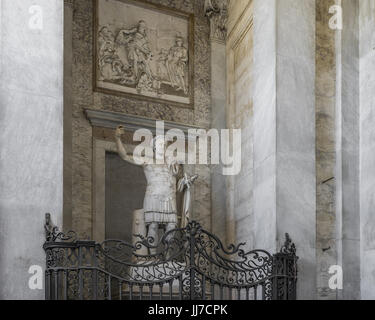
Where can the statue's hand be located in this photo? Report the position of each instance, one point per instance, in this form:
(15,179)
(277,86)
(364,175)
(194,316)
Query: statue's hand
(120,130)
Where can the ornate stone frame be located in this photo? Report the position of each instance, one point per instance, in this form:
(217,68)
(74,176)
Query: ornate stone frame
(171,11)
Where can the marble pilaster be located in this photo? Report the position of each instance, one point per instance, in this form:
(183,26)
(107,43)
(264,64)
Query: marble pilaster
(367,145)
(284,131)
(31,139)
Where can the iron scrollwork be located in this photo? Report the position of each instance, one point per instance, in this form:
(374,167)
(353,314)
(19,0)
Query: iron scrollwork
(187,263)
(53,234)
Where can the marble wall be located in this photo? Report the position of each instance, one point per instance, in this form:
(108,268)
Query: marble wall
(349,151)
(84,97)
(367,145)
(284,131)
(239,56)
(31,139)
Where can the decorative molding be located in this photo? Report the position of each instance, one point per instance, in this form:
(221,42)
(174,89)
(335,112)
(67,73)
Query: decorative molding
(217,12)
(111,120)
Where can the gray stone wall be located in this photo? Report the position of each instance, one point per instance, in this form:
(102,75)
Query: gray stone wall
(84,97)
(31,139)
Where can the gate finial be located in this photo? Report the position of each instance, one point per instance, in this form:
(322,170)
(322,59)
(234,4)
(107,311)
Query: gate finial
(53,233)
(289,247)
(50,229)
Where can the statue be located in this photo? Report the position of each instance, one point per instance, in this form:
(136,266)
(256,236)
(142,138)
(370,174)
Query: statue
(159,205)
(184,185)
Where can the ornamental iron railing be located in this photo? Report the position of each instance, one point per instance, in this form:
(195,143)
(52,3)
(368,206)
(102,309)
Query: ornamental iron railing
(189,264)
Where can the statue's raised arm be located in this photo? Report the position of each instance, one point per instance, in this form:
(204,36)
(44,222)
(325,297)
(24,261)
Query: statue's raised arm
(120,146)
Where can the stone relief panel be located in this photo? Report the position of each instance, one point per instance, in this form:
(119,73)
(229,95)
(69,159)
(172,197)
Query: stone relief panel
(84,97)
(144,50)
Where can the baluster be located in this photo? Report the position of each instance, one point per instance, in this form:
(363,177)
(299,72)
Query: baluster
(239,293)
(256,293)
(161,291)
(203,287)
(170,289)
(80,284)
(285,297)
(130,291)
(95,274)
(65,280)
(264,291)
(120,290)
(55,276)
(141,291)
(151,286)
(95,285)
(212,291)
(221,292)
(80,278)
(180,286)
(48,285)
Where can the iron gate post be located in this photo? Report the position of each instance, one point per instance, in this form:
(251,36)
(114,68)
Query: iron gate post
(192,233)
(284,272)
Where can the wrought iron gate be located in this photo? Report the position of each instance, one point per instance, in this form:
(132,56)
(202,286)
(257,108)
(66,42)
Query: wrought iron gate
(189,264)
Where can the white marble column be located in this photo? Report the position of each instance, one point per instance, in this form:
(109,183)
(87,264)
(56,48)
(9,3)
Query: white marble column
(367,145)
(284,131)
(347,123)
(31,136)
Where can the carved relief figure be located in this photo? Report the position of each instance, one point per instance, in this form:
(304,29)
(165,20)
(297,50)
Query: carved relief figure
(138,49)
(110,65)
(177,65)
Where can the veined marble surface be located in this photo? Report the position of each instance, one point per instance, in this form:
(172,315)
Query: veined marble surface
(284,130)
(31,139)
(367,152)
